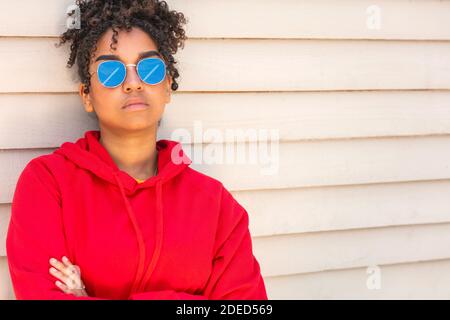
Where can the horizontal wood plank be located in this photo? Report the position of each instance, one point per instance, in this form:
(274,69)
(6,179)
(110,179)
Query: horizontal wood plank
(356,19)
(419,280)
(289,211)
(253,65)
(6,290)
(5,216)
(322,251)
(52,119)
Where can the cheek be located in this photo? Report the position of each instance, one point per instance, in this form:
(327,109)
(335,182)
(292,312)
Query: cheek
(157,93)
(104,99)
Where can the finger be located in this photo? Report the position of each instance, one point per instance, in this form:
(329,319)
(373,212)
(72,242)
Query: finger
(66,261)
(57,264)
(68,273)
(59,275)
(78,269)
(69,282)
(71,268)
(61,267)
(62,286)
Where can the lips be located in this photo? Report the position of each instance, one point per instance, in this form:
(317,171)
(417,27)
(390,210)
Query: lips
(133,102)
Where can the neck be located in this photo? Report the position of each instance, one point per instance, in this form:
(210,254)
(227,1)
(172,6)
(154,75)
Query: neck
(133,152)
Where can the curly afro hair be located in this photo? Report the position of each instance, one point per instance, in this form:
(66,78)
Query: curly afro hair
(164,26)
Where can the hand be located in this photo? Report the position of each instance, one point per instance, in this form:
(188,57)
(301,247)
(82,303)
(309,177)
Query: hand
(70,276)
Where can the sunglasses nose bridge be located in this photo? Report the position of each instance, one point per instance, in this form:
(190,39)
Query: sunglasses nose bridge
(135,74)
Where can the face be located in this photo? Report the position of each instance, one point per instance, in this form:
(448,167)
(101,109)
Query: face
(108,103)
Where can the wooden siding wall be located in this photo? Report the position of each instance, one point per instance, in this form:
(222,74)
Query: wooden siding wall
(363,116)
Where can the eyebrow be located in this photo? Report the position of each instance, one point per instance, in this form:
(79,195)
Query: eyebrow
(142,55)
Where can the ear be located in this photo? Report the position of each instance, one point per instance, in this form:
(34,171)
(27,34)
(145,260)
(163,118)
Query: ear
(169,89)
(85,97)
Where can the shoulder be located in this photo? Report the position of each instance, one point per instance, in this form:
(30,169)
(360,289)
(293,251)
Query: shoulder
(47,163)
(38,179)
(44,170)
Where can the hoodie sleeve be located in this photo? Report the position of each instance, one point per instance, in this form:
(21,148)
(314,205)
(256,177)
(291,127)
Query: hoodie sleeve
(236,273)
(36,234)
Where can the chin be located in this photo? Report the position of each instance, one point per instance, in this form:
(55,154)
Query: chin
(141,126)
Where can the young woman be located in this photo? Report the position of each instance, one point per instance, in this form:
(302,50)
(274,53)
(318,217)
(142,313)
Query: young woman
(117,214)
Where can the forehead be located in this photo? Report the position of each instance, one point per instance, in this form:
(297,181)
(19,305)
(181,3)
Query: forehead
(128,46)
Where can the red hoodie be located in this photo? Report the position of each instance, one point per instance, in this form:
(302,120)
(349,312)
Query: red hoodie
(178,235)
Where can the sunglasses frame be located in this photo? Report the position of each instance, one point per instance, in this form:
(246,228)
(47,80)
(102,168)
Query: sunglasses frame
(137,71)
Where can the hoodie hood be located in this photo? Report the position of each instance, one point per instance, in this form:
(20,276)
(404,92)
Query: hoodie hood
(87,153)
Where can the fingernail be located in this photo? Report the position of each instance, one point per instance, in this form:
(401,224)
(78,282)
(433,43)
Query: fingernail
(52,260)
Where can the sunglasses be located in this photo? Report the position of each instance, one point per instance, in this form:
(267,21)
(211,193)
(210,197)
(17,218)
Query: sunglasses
(112,73)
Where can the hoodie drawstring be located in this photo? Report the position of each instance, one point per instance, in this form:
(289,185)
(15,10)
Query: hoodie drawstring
(159,236)
(136,287)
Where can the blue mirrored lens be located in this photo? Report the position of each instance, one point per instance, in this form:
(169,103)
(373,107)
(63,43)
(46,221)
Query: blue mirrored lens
(151,70)
(111,73)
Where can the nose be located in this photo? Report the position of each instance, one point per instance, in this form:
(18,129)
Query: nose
(132,81)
